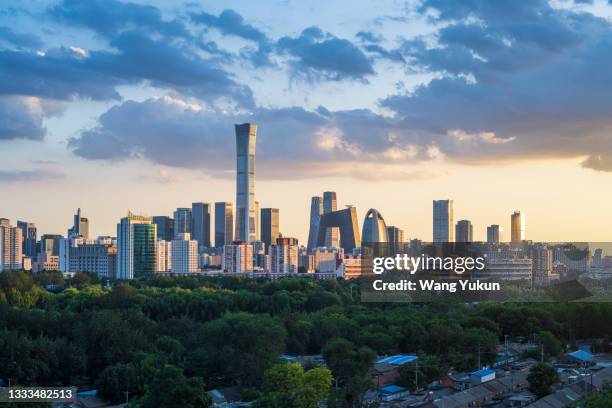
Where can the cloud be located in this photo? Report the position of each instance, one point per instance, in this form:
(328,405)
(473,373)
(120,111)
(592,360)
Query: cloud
(174,132)
(162,176)
(21,176)
(9,36)
(22,117)
(316,55)
(532,76)
(229,22)
(110,17)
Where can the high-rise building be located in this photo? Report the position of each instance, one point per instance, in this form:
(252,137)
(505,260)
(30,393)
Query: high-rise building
(494,234)
(97,258)
(28,232)
(269,225)
(165,227)
(184,254)
(200,224)
(443,221)
(224,224)
(374,227)
(163,260)
(182,221)
(330,204)
(257,222)
(80,226)
(346,221)
(464,231)
(50,243)
(246,228)
(284,256)
(517,224)
(11,251)
(542,258)
(136,246)
(238,257)
(316,209)
(259,256)
(396,239)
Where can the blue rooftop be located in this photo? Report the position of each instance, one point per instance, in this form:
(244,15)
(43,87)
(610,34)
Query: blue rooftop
(392,389)
(483,372)
(581,355)
(398,359)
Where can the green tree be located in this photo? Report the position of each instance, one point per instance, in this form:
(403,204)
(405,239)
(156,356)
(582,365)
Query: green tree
(171,389)
(288,385)
(430,369)
(540,378)
(552,346)
(117,380)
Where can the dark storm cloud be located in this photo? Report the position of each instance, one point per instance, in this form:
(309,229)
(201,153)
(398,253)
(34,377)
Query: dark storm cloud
(319,55)
(229,22)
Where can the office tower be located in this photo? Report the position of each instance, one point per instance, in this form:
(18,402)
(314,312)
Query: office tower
(464,231)
(165,227)
(224,223)
(11,251)
(50,243)
(80,226)
(238,257)
(269,225)
(257,222)
(494,234)
(65,250)
(163,260)
(517,224)
(200,222)
(259,256)
(136,246)
(184,254)
(346,221)
(284,256)
(28,232)
(374,227)
(182,221)
(99,258)
(246,228)
(330,204)
(396,239)
(443,221)
(316,209)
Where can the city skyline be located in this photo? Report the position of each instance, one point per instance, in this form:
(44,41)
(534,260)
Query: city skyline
(396,106)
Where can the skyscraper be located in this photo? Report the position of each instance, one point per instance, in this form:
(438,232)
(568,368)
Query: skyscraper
(200,224)
(246,228)
(238,257)
(257,222)
(396,239)
(165,227)
(346,221)
(11,251)
(28,232)
(464,231)
(374,227)
(80,226)
(494,234)
(517,225)
(269,225)
(182,221)
(316,209)
(224,223)
(284,256)
(330,204)
(443,221)
(136,246)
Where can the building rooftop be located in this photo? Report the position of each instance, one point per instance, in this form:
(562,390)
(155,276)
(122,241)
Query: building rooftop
(581,355)
(483,372)
(398,359)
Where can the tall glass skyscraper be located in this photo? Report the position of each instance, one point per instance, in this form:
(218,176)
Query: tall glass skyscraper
(517,227)
(165,227)
(374,227)
(224,223)
(443,230)
(136,246)
(28,232)
(246,228)
(182,221)
(464,231)
(200,224)
(330,204)
(316,209)
(80,226)
(269,225)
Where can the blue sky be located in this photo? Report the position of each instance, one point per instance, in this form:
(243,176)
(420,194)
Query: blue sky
(111,105)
